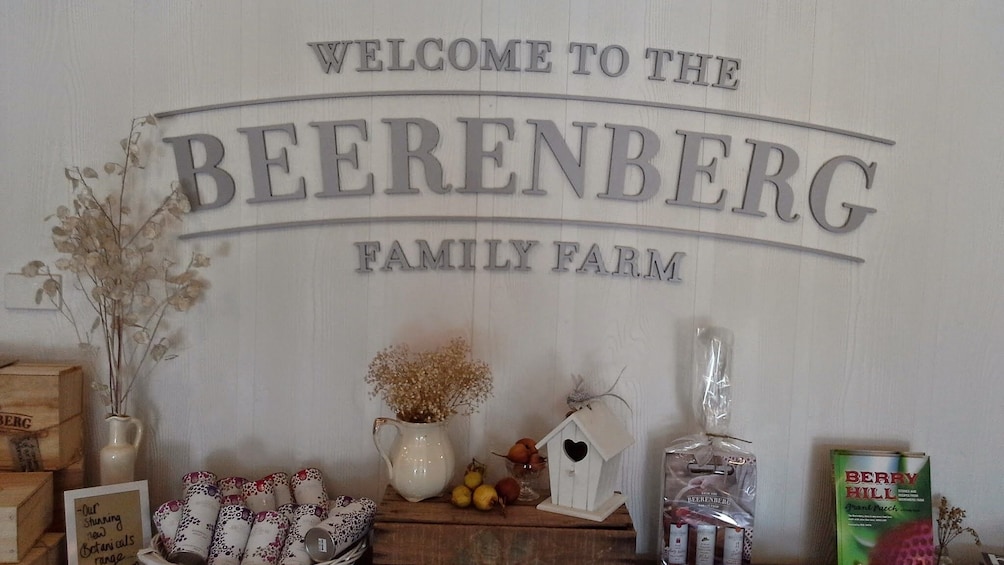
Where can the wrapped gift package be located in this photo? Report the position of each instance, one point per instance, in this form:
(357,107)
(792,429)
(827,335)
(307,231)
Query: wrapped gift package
(41,421)
(709,480)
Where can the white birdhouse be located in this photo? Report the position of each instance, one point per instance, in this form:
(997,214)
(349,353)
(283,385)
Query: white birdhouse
(583,460)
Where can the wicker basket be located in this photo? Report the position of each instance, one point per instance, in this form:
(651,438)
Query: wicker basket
(153,555)
(351,555)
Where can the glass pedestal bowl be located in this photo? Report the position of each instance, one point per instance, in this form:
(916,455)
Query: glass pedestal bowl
(526,475)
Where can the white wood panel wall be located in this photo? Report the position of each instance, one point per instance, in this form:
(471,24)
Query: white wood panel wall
(903,350)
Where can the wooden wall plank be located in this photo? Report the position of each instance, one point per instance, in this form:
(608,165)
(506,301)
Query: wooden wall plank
(897,351)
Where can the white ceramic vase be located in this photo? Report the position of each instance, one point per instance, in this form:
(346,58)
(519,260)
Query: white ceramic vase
(118,457)
(420,461)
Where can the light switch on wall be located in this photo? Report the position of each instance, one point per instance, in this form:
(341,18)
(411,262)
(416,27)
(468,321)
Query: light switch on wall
(20,291)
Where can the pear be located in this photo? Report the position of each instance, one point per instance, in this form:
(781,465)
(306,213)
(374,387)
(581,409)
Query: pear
(474,474)
(461,496)
(518,454)
(508,490)
(530,443)
(485,497)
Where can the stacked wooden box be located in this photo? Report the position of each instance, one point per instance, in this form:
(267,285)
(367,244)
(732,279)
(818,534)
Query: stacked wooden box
(41,457)
(70,477)
(50,549)
(44,401)
(434,531)
(26,502)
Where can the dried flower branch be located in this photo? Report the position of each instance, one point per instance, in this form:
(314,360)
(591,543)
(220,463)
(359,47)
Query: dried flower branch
(430,386)
(950,520)
(115,257)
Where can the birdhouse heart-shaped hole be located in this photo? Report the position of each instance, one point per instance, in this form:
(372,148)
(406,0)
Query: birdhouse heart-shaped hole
(576,450)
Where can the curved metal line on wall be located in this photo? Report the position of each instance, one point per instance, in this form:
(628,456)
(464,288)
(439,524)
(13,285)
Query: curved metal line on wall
(514,94)
(518,220)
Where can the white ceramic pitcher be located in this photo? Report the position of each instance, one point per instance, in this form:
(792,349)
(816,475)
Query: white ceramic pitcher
(420,461)
(118,458)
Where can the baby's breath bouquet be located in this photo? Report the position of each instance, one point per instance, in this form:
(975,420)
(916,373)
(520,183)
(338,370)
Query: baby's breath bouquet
(950,519)
(115,256)
(430,386)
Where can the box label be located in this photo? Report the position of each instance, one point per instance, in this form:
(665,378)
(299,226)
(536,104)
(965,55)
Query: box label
(25,453)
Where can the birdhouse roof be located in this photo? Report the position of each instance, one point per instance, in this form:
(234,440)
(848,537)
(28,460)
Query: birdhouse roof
(602,429)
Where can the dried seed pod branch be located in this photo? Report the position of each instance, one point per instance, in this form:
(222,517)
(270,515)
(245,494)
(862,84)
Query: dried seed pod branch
(117,258)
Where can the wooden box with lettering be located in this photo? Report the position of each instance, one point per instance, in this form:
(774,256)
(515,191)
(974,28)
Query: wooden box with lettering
(50,549)
(435,532)
(25,512)
(41,413)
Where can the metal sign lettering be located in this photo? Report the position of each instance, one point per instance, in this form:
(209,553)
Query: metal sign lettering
(630,151)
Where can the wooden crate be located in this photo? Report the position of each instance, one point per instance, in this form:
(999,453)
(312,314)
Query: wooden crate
(435,532)
(68,478)
(25,512)
(43,401)
(49,550)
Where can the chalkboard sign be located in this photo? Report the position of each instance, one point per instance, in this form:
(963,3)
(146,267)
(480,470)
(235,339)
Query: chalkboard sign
(107,525)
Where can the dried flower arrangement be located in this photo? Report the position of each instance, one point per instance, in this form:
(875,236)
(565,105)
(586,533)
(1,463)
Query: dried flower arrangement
(950,520)
(115,257)
(430,386)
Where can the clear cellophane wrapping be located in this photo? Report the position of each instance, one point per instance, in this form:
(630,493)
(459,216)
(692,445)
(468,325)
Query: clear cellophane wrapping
(709,480)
